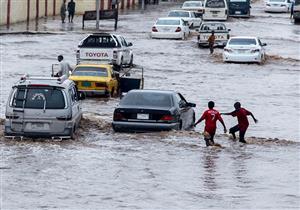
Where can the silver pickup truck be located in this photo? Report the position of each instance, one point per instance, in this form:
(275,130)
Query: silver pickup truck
(221,33)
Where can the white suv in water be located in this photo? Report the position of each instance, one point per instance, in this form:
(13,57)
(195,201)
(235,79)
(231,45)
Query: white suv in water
(105,48)
(43,107)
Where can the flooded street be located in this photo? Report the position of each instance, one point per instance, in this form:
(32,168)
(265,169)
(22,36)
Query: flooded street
(168,170)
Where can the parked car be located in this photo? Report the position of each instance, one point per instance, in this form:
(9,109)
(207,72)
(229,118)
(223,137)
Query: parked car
(141,110)
(106,48)
(43,107)
(170,28)
(278,5)
(188,16)
(95,79)
(244,49)
(215,10)
(221,33)
(195,6)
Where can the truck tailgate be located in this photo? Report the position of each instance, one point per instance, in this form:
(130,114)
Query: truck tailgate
(219,36)
(96,53)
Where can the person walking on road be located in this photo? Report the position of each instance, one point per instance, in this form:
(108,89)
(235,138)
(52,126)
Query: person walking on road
(211,116)
(63,11)
(211,42)
(65,67)
(71,10)
(243,123)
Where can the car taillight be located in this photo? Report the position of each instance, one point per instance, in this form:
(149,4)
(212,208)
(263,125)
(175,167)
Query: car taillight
(167,118)
(101,84)
(255,50)
(118,116)
(227,50)
(65,118)
(154,29)
(178,29)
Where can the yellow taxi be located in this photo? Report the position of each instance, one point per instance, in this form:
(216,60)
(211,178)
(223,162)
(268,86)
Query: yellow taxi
(95,78)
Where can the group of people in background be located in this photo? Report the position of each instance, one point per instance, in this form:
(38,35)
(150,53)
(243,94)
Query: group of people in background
(211,116)
(70,8)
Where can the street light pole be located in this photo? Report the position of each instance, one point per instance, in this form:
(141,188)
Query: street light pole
(97,14)
(143,4)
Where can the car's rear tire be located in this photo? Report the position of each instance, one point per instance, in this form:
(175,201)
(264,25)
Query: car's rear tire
(72,133)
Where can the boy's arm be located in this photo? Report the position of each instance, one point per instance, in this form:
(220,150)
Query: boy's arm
(222,122)
(202,118)
(254,119)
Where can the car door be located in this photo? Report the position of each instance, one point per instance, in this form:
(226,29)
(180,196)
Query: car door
(186,112)
(126,50)
(75,105)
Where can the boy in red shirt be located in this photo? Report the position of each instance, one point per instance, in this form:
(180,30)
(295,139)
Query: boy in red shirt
(243,122)
(211,116)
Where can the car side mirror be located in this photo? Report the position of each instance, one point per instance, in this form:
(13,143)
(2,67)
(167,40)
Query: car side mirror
(264,44)
(81,95)
(228,29)
(129,44)
(191,104)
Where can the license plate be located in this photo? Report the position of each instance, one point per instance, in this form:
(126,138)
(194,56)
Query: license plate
(237,12)
(143,116)
(86,84)
(39,126)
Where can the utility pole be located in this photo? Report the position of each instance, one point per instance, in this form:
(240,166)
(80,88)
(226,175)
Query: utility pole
(97,13)
(143,4)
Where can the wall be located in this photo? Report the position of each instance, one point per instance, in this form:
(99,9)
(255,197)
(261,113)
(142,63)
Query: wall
(13,11)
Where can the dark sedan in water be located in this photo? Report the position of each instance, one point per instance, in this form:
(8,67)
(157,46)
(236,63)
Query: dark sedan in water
(142,110)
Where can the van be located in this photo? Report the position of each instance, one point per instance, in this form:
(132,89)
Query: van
(43,107)
(215,10)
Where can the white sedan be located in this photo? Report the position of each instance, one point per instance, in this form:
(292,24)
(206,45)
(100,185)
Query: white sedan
(188,16)
(195,6)
(244,49)
(278,6)
(170,28)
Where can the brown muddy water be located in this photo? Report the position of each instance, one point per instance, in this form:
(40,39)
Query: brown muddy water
(166,170)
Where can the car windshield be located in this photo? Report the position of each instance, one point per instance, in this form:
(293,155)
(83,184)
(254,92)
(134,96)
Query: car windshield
(39,97)
(178,14)
(99,41)
(215,3)
(150,99)
(90,71)
(167,22)
(242,42)
(192,4)
(215,27)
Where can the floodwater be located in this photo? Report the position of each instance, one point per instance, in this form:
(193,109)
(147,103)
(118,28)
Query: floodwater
(168,170)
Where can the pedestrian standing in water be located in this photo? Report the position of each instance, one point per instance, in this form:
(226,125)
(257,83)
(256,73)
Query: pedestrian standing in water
(71,10)
(243,123)
(211,116)
(211,42)
(63,11)
(65,67)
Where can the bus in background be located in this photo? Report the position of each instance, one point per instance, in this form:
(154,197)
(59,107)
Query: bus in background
(239,8)
(215,10)
(296,11)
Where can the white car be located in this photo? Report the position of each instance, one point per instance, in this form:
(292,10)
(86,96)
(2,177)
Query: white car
(188,16)
(170,28)
(244,49)
(105,48)
(195,6)
(278,6)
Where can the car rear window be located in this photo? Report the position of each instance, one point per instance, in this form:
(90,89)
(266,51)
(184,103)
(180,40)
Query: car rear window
(277,1)
(38,97)
(90,71)
(178,14)
(215,27)
(242,42)
(192,4)
(215,3)
(99,41)
(168,22)
(147,99)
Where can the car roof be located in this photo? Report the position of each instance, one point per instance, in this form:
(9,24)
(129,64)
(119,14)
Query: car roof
(178,10)
(212,23)
(62,82)
(244,37)
(95,65)
(192,1)
(152,91)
